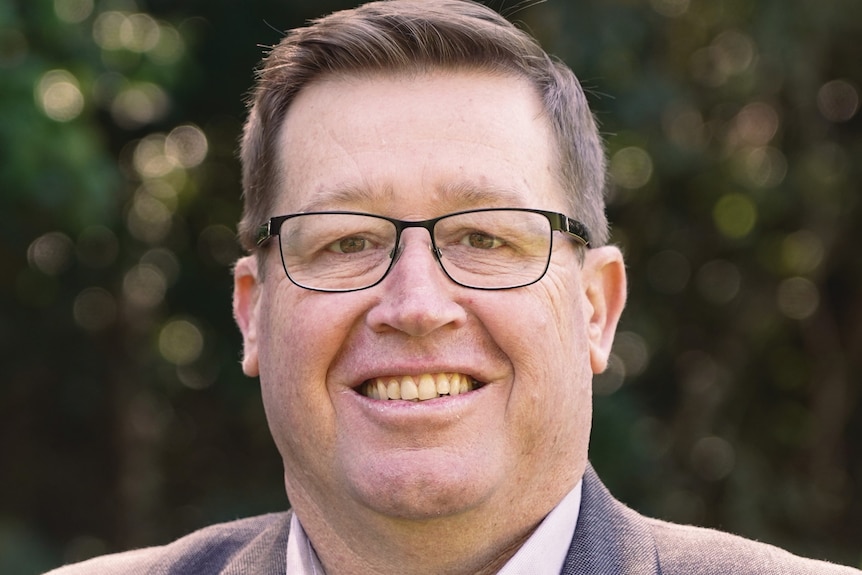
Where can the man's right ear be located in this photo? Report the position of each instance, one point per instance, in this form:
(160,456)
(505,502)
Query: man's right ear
(246,302)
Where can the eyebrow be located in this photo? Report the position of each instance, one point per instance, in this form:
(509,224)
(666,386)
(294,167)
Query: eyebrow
(331,198)
(466,195)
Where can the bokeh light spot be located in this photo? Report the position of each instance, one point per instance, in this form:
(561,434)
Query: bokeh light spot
(755,125)
(798,298)
(170,47)
(719,281)
(139,32)
(149,158)
(161,190)
(139,104)
(199,376)
(684,126)
(632,349)
(802,252)
(735,215)
(763,167)
(73,11)
(149,220)
(713,458)
(736,51)
(631,167)
(610,380)
(838,100)
(827,163)
(166,261)
(181,342)
(730,53)
(106,30)
(94,309)
(186,145)
(670,8)
(144,286)
(51,253)
(59,95)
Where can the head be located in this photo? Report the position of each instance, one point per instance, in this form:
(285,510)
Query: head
(412,110)
(412,36)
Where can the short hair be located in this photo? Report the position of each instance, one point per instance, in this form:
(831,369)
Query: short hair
(417,36)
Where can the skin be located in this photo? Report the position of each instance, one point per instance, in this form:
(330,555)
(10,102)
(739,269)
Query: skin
(454,484)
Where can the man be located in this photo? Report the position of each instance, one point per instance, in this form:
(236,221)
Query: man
(428,295)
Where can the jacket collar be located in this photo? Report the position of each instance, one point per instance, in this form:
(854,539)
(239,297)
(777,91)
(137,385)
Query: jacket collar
(610,538)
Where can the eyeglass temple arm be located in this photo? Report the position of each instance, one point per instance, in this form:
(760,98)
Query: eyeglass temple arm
(573,228)
(263,233)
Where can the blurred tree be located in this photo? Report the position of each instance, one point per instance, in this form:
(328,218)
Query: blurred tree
(732,400)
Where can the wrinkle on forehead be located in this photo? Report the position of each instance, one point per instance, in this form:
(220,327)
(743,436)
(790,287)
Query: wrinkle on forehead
(457,195)
(378,144)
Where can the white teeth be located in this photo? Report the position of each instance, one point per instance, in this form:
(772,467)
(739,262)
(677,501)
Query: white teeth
(409,391)
(427,387)
(393,389)
(442,381)
(418,388)
(455,384)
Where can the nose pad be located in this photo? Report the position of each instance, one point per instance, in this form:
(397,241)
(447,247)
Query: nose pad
(396,252)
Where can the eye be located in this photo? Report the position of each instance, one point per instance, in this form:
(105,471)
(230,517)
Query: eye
(350,245)
(482,241)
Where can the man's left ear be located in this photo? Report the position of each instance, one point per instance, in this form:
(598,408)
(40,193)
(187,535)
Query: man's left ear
(605,287)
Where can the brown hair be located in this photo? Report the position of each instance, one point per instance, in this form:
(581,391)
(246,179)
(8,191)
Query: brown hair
(417,35)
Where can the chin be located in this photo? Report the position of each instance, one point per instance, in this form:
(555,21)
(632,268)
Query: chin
(413,489)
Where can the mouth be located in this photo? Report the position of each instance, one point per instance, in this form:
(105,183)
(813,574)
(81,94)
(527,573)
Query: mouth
(418,388)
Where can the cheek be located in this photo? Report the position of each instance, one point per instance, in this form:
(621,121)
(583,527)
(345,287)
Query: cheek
(551,334)
(546,342)
(301,333)
(299,337)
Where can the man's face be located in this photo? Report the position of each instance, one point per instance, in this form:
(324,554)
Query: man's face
(416,147)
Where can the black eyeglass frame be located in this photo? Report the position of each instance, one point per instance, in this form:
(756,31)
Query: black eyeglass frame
(558,222)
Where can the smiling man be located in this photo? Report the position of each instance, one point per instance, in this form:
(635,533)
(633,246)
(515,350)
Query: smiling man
(427,296)
(414,411)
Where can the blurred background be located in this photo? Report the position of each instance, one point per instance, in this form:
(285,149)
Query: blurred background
(734,136)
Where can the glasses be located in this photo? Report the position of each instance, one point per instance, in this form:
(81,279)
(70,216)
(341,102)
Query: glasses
(488,249)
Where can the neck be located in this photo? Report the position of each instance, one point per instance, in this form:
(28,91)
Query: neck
(451,546)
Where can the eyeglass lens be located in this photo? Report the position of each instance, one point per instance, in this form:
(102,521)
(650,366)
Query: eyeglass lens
(488,249)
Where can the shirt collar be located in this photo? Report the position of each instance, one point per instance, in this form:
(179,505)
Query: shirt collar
(544,552)
(546,549)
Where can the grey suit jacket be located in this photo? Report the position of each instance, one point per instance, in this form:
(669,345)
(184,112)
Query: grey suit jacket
(610,539)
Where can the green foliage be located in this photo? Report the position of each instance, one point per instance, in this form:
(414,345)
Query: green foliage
(732,399)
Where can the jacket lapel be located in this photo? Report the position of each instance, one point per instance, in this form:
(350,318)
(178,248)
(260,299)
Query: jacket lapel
(266,554)
(610,538)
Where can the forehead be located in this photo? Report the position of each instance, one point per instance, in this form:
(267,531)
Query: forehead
(429,142)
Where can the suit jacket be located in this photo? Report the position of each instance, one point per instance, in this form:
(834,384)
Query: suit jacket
(610,539)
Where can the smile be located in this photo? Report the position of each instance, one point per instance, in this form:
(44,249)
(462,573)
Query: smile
(418,388)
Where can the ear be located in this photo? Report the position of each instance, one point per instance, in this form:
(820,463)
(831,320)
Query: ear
(605,288)
(246,310)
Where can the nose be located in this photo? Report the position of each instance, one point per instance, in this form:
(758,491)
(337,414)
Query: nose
(417,297)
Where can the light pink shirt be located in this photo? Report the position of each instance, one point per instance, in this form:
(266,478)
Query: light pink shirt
(544,552)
